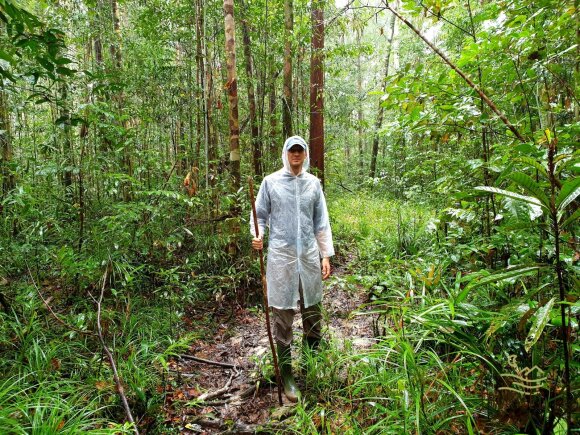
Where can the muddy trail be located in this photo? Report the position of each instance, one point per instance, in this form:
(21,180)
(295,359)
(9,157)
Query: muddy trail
(222,385)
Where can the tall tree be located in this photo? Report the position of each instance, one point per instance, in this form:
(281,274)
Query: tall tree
(316,89)
(232,88)
(380,114)
(360,97)
(8,181)
(254,131)
(287,100)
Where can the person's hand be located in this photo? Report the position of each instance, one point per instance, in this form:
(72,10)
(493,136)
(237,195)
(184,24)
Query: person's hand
(257,243)
(325,267)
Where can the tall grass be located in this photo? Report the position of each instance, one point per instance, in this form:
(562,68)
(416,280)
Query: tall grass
(377,230)
(440,362)
(55,380)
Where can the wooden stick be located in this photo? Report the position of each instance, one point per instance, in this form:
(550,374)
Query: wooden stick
(207,361)
(120,388)
(51,311)
(265,293)
(213,394)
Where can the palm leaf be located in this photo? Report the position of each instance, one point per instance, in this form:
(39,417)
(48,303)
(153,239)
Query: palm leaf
(530,186)
(569,192)
(510,194)
(542,317)
(574,218)
(505,274)
(530,161)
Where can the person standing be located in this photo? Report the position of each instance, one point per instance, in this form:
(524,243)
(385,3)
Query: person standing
(291,204)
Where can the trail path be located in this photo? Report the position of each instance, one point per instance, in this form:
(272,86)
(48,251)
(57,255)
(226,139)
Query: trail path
(244,401)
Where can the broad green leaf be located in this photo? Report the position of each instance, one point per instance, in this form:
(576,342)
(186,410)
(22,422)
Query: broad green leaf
(574,218)
(65,71)
(534,163)
(62,61)
(526,148)
(569,192)
(511,273)
(509,194)
(530,186)
(6,56)
(541,319)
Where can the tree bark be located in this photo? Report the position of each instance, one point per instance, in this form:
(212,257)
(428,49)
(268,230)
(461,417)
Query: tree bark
(67,148)
(116,45)
(232,88)
(8,180)
(380,114)
(360,114)
(254,131)
(287,106)
(272,100)
(316,90)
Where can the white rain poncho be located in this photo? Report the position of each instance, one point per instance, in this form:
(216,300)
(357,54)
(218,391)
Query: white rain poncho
(293,208)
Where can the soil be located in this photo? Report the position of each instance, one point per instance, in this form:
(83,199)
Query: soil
(246,401)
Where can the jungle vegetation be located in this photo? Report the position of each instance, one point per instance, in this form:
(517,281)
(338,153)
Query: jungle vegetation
(446,133)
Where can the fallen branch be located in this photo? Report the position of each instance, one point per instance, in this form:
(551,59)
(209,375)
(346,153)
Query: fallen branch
(207,361)
(218,392)
(235,428)
(51,311)
(120,388)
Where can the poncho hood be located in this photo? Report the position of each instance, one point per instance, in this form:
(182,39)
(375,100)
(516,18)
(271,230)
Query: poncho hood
(295,140)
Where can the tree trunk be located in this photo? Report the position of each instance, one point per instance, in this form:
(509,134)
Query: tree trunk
(116,46)
(8,181)
(272,155)
(316,90)
(67,148)
(380,114)
(287,106)
(232,88)
(119,98)
(360,115)
(202,125)
(254,131)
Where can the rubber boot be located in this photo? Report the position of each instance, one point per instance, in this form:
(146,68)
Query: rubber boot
(312,343)
(291,391)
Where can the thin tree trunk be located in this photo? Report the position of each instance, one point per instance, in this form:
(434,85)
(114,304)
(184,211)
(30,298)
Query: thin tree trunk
(485,149)
(272,115)
(116,56)
(67,147)
(380,114)
(360,94)
(8,180)
(232,88)
(254,131)
(559,268)
(202,126)
(316,90)
(287,100)
(116,46)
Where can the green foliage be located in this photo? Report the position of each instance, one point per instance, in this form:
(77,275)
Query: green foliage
(453,237)
(444,320)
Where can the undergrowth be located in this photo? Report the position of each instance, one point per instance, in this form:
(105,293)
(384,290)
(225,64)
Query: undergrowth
(459,347)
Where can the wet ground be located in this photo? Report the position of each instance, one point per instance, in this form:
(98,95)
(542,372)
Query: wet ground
(226,388)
